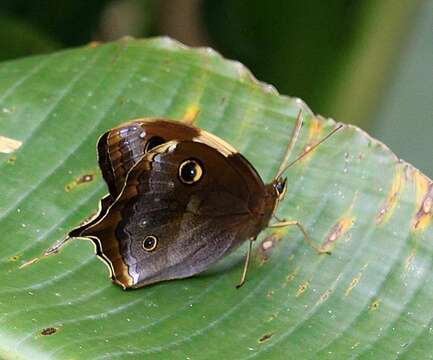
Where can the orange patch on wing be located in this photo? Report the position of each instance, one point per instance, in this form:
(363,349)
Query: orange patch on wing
(391,201)
(424,202)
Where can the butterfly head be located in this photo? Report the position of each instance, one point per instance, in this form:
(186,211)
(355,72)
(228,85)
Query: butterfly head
(280,188)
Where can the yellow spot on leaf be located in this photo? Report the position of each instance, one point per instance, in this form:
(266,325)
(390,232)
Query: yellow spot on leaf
(272,318)
(303,288)
(391,201)
(12,160)
(94,44)
(375,305)
(292,276)
(191,114)
(78,181)
(29,262)
(314,135)
(315,129)
(355,281)
(8,145)
(424,202)
(337,231)
(343,225)
(408,264)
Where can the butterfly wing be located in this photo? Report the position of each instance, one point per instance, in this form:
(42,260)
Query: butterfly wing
(194,224)
(122,147)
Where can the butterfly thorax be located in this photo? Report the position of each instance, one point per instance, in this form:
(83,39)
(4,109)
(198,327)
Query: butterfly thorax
(273,194)
(269,203)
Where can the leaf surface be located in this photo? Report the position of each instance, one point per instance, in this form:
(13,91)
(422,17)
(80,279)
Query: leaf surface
(370,299)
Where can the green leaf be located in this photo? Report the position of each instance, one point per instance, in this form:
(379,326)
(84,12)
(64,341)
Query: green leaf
(370,299)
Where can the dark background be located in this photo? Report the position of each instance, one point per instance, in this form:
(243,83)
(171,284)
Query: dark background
(366,62)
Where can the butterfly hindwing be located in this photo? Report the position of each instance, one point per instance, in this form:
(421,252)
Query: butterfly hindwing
(195,224)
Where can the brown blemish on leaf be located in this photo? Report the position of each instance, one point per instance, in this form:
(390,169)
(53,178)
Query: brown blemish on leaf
(264,250)
(14,258)
(79,181)
(191,114)
(375,305)
(337,231)
(355,281)
(29,262)
(391,201)
(12,160)
(424,202)
(302,288)
(49,331)
(343,225)
(8,145)
(265,337)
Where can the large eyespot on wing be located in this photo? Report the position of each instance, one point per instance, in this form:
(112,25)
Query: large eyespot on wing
(195,225)
(190,171)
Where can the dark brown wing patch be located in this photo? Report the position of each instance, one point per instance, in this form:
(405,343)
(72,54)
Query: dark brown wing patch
(195,225)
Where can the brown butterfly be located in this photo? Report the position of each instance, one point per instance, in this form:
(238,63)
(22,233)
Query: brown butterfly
(179,200)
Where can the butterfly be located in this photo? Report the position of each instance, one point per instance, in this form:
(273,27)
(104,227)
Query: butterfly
(180,199)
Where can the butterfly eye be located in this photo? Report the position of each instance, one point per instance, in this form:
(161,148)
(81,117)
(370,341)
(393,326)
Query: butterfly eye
(153,142)
(150,242)
(190,171)
(280,187)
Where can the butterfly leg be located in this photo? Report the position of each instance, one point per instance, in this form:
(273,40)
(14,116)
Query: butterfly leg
(306,237)
(246,264)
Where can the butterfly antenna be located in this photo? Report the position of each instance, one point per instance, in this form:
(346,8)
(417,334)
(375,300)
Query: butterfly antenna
(306,152)
(293,138)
